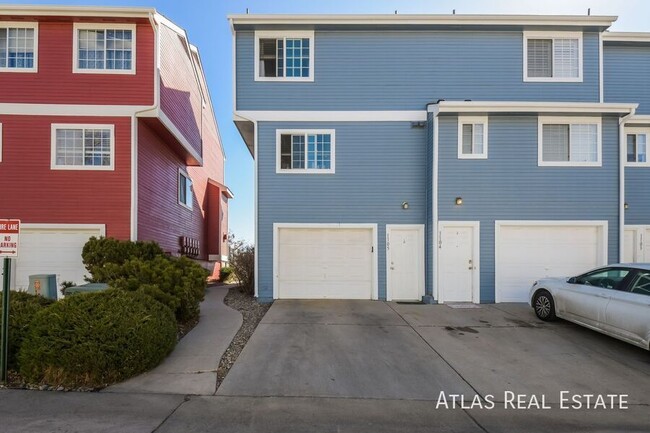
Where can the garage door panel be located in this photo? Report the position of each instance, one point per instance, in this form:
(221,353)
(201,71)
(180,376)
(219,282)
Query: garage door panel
(318,263)
(529,252)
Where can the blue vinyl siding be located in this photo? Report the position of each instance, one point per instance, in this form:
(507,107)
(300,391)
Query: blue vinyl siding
(626,73)
(637,195)
(510,186)
(405,70)
(378,166)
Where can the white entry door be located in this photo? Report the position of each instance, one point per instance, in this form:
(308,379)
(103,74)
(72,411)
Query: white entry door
(405,262)
(637,244)
(458,264)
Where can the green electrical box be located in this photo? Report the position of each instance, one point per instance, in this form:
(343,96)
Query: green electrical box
(43,285)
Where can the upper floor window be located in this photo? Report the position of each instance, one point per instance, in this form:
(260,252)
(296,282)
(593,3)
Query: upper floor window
(18,47)
(637,146)
(285,56)
(83,147)
(104,49)
(185,192)
(310,151)
(472,137)
(570,141)
(552,56)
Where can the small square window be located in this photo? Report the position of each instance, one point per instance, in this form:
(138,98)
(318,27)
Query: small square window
(18,47)
(185,192)
(310,151)
(637,146)
(552,56)
(104,50)
(472,137)
(284,56)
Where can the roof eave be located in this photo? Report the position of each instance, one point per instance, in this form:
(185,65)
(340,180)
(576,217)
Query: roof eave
(531,107)
(79,11)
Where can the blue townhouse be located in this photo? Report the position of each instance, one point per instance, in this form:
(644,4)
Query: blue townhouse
(444,158)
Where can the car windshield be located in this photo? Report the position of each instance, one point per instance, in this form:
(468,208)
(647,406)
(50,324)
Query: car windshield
(608,278)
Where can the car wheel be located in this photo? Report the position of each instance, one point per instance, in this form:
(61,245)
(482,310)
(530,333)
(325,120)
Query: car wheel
(544,305)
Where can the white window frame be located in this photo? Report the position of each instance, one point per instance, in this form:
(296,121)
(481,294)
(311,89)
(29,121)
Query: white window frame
(278,151)
(56,126)
(22,25)
(637,131)
(265,34)
(567,120)
(473,120)
(183,173)
(553,35)
(102,26)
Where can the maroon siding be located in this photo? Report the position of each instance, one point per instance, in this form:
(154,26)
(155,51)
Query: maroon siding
(54,83)
(34,193)
(180,94)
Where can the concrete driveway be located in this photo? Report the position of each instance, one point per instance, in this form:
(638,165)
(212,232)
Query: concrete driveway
(379,350)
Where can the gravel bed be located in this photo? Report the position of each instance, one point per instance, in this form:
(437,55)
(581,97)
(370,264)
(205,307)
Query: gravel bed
(252,312)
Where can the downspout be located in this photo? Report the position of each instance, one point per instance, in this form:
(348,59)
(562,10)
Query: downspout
(434,204)
(134,130)
(621,183)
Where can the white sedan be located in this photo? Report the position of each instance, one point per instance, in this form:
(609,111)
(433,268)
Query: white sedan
(614,300)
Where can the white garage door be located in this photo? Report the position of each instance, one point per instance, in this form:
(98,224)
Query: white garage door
(526,252)
(52,250)
(333,263)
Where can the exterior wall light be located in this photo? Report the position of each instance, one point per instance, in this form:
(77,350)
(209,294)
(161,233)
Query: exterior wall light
(626,206)
(405,205)
(459,201)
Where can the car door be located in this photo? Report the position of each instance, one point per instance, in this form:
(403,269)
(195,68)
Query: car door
(585,298)
(628,311)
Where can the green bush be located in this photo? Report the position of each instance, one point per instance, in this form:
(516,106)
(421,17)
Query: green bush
(22,309)
(100,252)
(96,339)
(178,283)
(224,273)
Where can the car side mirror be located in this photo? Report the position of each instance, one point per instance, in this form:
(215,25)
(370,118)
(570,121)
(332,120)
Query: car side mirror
(572,280)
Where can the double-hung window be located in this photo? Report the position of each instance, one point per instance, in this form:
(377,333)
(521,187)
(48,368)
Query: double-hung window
(570,141)
(472,137)
(18,47)
(552,56)
(637,146)
(104,48)
(83,147)
(309,151)
(284,56)
(185,192)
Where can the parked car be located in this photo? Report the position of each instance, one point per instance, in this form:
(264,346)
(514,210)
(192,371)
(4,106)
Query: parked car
(614,300)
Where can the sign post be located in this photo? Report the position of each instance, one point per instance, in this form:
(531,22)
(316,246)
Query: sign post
(9,233)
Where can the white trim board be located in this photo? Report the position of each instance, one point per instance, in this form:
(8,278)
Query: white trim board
(71,110)
(626,36)
(531,107)
(421,278)
(476,253)
(333,116)
(371,226)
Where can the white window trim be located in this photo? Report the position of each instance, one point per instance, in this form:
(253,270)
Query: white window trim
(278,151)
(277,35)
(543,120)
(102,26)
(637,130)
(53,164)
(22,25)
(553,35)
(182,172)
(473,120)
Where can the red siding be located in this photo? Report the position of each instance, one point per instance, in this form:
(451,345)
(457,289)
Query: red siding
(34,193)
(180,94)
(54,83)
(160,217)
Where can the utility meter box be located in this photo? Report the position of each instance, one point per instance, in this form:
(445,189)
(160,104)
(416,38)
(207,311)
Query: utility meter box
(43,285)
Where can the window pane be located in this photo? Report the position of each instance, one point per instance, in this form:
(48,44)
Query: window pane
(642,284)
(297,57)
(19,45)
(118,49)
(3,48)
(584,143)
(565,57)
(97,147)
(298,151)
(91,49)
(641,147)
(467,139)
(182,189)
(631,147)
(478,139)
(268,57)
(69,147)
(540,59)
(555,143)
(319,151)
(285,152)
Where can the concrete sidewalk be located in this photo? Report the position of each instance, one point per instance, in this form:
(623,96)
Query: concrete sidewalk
(192,366)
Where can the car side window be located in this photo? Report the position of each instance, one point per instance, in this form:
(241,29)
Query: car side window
(607,279)
(641,284)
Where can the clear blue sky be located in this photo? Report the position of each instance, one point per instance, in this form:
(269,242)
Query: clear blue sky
(205,21)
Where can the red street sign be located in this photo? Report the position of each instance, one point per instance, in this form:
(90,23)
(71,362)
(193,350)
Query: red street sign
(9,233)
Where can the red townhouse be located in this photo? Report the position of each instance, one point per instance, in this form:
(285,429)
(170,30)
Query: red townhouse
(106,128)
